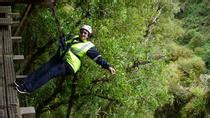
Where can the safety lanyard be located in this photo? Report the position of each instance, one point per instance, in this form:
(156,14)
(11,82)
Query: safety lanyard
(53,9)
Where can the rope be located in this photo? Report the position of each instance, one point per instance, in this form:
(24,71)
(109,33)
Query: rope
(60,32)
(53,9)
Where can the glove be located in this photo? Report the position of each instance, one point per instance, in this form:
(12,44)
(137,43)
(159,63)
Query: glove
(62,43)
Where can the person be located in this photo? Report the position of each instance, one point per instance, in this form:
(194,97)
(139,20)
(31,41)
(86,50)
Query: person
(66,61)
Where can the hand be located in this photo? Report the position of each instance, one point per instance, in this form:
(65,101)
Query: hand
(112,70)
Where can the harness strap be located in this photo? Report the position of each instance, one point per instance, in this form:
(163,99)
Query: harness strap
(67,49)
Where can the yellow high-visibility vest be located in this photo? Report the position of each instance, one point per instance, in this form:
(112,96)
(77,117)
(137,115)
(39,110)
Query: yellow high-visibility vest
(77,50)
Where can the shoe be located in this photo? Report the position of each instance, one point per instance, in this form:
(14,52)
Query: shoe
(17,83)
(22,91)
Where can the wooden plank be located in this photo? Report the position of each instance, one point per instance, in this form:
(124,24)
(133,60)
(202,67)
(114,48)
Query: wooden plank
(1,43)
(1,85)
(7,42)
(1,80)
(5,9)
(1,66)
(18,57)
(12,97)
(14,111)
(4,97)
(9,97)
(14,14)
(28,112)
(16,37)
(21,76)
(9,71)
(3,104)
(5,21)
(1,97)
(15,22)
(8,21)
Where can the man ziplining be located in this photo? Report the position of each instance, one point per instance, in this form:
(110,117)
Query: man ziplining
(65,62)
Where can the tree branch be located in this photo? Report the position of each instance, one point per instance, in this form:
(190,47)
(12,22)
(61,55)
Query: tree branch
(54,106)
(57,90)
(138,63)
(152,23)
(103,111)
(101,80)
(106,97)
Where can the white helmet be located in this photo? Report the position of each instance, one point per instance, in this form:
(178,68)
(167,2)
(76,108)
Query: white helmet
(88,28)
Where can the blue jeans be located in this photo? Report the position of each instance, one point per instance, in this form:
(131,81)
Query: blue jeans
(53,68)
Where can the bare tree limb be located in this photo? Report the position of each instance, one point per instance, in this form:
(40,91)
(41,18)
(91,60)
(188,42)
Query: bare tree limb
(152,23)
(101,80)
(54,106)
(103,111)
(106,97)
(138,63)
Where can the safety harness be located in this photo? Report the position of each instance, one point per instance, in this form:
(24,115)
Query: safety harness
(60,32)
(74,49)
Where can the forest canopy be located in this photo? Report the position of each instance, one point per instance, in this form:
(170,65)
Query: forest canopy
(160,50)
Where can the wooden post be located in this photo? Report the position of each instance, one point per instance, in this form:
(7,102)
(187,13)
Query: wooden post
(27,112)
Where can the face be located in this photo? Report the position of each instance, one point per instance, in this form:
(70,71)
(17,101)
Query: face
(83,34)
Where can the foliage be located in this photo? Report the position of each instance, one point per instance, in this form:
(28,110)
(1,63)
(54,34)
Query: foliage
(196,21)
(196,107)
(176,52)
(186,37)
(149,74)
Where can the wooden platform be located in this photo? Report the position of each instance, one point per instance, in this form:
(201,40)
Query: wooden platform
(9,103)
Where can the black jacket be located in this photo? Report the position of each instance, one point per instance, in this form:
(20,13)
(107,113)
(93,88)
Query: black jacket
(95,55)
